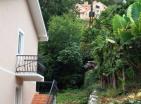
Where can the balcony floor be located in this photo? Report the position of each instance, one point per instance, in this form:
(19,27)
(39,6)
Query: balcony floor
(30,76)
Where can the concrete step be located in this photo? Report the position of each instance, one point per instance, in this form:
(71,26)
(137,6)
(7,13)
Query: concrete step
(41,99)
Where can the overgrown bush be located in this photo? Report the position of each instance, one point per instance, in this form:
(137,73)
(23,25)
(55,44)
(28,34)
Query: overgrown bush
(72,96)
(61,53)
(110,92)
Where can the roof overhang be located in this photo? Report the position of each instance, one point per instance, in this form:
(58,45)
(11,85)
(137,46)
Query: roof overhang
(38,21)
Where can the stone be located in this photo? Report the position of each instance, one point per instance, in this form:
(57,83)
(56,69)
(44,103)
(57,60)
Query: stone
(132,96)
(93,98)
(138,95)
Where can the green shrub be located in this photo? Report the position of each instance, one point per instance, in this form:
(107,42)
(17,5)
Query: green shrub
(109,93)
(72,96)
(90,78)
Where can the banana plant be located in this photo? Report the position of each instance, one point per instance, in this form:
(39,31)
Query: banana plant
(134,14)
(121,28)
(128,26)
(134,10)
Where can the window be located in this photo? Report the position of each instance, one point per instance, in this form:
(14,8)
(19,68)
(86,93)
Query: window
(20,42)
(97,6)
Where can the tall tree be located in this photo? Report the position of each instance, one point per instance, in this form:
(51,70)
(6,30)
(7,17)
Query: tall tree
(61,53)
(56,8)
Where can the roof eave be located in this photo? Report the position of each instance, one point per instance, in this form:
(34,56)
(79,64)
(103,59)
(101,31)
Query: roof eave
(38,21)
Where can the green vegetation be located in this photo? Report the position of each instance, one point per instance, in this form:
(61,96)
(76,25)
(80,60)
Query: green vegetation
(113,41)
(56,8)
(115,47)
(72,96)
(61,54)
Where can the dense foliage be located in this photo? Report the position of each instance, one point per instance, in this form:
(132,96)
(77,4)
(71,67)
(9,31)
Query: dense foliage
(61,53)
(113,42)
(115,45)
(56,8)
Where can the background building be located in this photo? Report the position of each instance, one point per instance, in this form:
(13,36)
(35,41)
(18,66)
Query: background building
(84,9)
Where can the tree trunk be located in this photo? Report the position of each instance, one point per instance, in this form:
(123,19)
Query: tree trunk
(123,80)
(101,80)
(114,81)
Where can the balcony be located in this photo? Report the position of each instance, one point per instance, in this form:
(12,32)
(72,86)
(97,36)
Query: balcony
(27,68)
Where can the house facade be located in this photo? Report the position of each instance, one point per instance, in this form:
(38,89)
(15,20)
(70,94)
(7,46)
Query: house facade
(21,28)
(98,8)
(84,9)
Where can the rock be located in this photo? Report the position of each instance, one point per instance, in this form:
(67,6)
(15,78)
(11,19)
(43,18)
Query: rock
(138,95)
(132,96)
(93,98)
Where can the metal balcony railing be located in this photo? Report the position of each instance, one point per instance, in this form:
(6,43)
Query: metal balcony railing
(52,93)
(27,63)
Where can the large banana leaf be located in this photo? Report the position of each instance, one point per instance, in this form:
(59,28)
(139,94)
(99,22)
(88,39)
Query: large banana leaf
(134,10)
(136,27)
(118,23)
(125,37)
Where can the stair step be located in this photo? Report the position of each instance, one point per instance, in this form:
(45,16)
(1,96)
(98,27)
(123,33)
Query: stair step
(41,99)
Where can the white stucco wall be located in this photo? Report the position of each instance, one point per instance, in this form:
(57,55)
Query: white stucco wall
(28,87)
(7,87)
(15,15)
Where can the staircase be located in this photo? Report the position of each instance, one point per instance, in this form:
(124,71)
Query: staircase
(46,94)
(42,99)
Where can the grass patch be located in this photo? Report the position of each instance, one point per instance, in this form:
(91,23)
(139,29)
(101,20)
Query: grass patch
(72,96)
(109,93)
